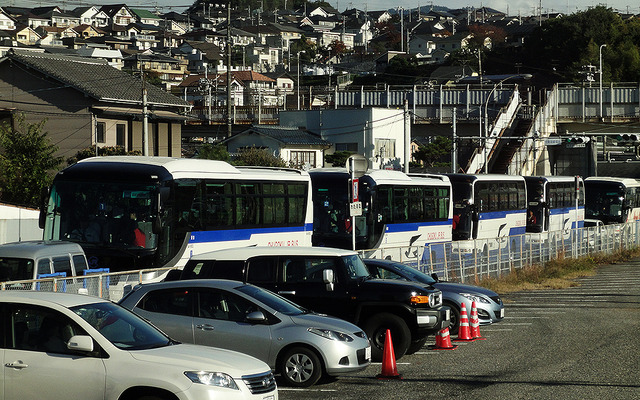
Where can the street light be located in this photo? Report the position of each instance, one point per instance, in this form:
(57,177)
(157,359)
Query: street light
(298,83)
(600,73)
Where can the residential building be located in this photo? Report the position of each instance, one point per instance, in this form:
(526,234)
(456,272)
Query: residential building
(376,133)
(297,147)
(87,103)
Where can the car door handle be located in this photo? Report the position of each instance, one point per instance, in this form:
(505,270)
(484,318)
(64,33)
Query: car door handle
(16,364)
(291,292)
(205,327)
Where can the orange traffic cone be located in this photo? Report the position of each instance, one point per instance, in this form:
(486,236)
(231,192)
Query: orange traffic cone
(464,334)
(389,369)
(475,323)
(443,341)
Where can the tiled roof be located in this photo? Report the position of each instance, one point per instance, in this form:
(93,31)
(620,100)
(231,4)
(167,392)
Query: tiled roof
(95,78)
(290,135)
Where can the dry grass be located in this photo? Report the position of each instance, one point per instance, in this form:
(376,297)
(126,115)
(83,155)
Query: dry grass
(556,274)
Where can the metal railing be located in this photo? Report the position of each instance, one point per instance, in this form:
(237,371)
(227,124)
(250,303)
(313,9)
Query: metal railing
(474,260)
(466,261)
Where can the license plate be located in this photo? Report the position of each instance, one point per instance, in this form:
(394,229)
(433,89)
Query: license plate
(269,398)
(502,313)
(367,353)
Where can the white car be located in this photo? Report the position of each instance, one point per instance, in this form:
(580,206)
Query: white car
(68,346)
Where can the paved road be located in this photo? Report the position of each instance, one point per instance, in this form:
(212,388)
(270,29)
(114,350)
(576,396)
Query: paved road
(577,343)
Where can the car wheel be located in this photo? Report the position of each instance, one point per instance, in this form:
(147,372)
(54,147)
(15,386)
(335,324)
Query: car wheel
(300,367)
(376,329)
(416,345)
(454,318)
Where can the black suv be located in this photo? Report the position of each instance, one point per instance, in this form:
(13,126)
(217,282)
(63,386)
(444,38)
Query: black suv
(334,282)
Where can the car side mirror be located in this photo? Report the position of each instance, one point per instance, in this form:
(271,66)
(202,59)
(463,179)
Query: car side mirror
(81,343)
(435,277)
(173,275)
(328,278)
(256,317)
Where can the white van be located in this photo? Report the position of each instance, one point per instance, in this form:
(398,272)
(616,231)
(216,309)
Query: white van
(38,259)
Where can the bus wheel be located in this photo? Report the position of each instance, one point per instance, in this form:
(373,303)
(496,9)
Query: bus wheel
(376,328)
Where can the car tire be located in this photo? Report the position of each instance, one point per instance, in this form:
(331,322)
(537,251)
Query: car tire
(300,367)
(376,329)
(416,345)
(454,318)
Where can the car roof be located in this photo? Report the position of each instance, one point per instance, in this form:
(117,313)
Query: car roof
(38,248)
(34,297)
(243,253)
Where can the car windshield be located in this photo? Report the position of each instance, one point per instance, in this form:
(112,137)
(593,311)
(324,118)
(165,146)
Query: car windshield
(355,267)
(413,274)
(272,300)
(121,327)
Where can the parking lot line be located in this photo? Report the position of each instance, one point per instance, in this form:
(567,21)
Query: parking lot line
(292,389)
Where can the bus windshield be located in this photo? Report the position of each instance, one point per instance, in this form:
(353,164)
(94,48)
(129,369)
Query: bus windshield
(118,214)
(605,202)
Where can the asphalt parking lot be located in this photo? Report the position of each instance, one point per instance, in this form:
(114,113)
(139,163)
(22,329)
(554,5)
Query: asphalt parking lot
(575,343)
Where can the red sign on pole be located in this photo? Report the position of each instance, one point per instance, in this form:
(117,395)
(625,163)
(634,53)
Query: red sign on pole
(354,190)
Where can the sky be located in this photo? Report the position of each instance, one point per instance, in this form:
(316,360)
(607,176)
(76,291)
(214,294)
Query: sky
(512,7)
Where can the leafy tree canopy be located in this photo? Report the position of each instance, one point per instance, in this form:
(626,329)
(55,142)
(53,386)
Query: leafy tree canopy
(436,153)
(338,159)
(28,161)
(259,157)
(214,152)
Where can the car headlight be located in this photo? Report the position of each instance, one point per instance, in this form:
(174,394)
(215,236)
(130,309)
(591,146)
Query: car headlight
(476,298)
(212,379)
(331,335)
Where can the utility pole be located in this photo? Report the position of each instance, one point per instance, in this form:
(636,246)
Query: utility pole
(229,97)
(145,116)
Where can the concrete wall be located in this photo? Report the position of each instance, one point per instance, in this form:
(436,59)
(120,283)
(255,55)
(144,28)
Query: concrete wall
(18,224)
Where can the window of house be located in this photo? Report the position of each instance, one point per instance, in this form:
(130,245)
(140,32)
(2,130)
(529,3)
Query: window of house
(352,147)
(100,132)
(303,157)
(120,134)
(385,148)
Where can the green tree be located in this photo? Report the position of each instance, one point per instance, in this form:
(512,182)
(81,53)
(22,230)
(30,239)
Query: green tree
(436,153)
(337,159)
(259,157)
(214,152)
(28,161)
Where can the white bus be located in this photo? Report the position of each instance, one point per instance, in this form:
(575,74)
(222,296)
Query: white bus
(554,204)
(612,200)
(488,209)
(145,212)
(397,210)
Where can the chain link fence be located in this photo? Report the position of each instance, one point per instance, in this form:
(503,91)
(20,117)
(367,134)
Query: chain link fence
(465,262)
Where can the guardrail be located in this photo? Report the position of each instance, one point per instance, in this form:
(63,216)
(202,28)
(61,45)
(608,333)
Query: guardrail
(466,261)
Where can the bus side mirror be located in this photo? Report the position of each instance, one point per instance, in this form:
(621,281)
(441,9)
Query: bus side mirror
(328,278)
(157,225)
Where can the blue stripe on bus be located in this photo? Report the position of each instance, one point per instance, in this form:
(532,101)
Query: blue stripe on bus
(414,226)
(517,230)
(499,214)
(231,235)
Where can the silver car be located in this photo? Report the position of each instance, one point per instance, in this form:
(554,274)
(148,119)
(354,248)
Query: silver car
(488,303)
(299,345)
